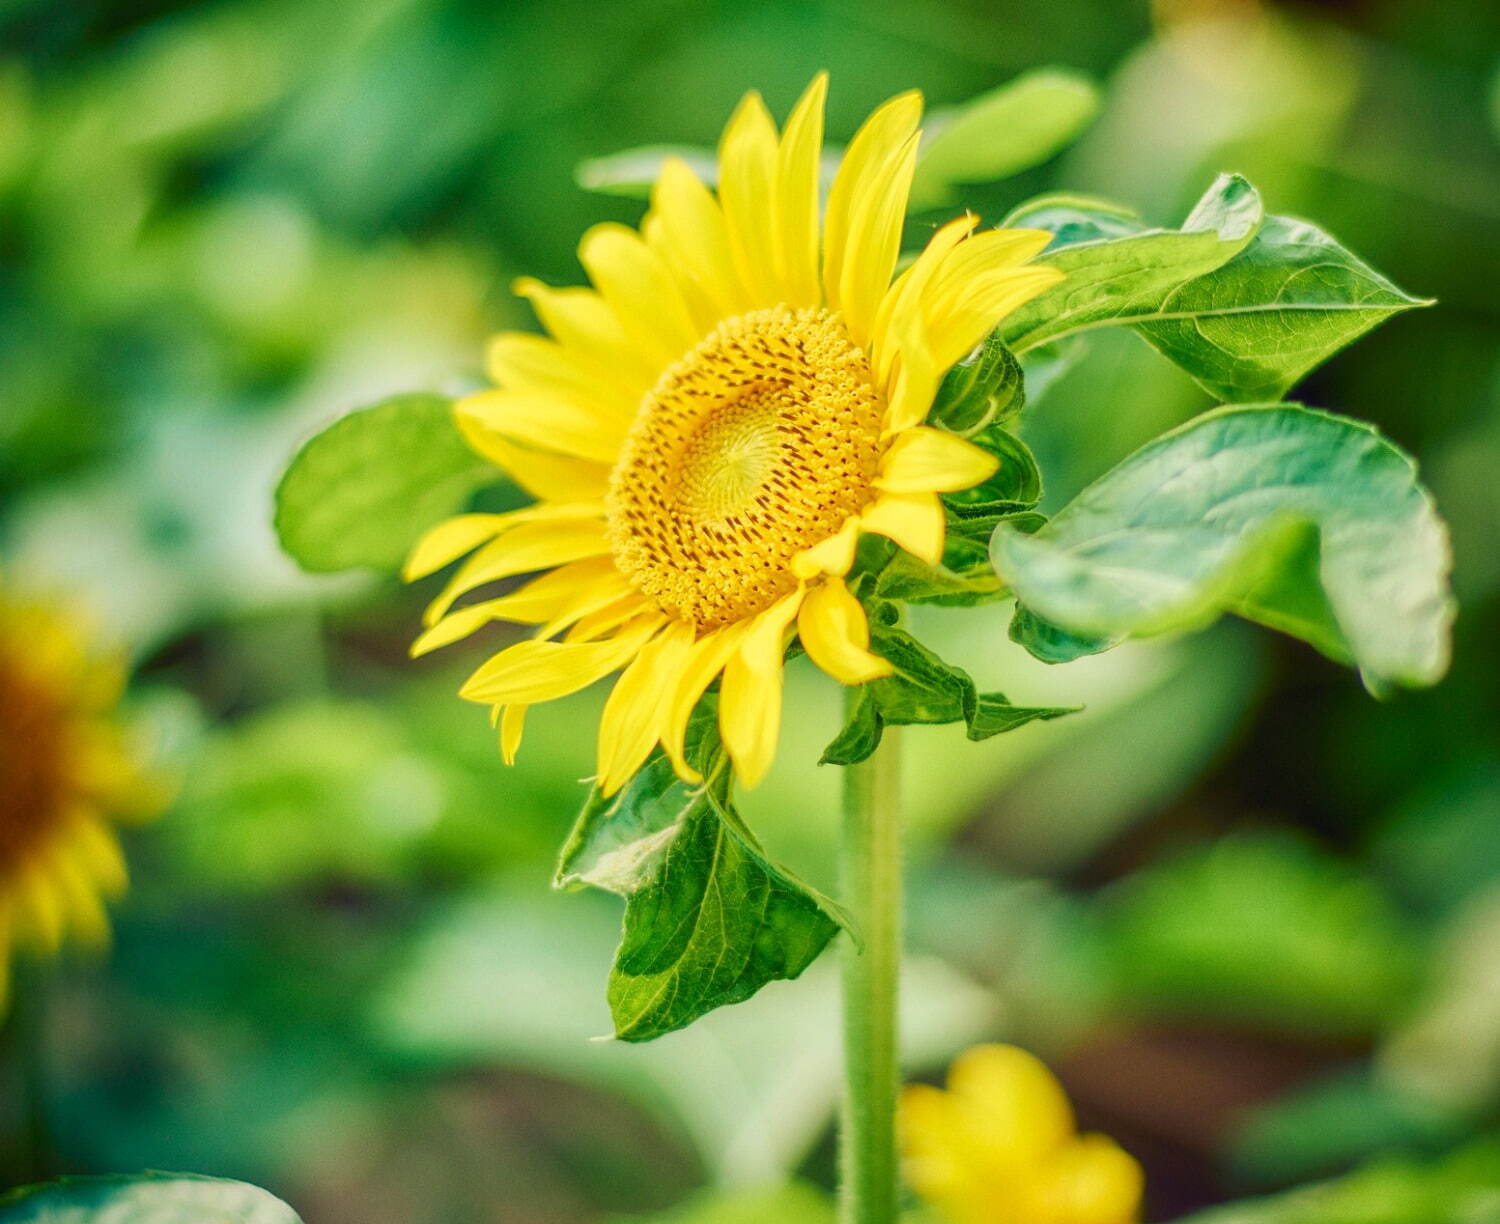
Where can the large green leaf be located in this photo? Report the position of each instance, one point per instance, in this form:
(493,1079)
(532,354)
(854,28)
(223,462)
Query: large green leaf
(1001,133)
(1118,272)
(1301,520)
(361,492)
(922,690)
(1283,305)
(1246,327)
(153,1198)
(709,919)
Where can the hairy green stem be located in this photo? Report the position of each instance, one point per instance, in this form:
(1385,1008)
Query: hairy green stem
(870,870)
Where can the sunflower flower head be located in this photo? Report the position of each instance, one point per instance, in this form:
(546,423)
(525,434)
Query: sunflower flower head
(710,427)
(67,777)
(1000,1144)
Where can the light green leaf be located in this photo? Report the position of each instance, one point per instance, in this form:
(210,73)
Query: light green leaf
(709,919)
(922,690)
(1116,274)
(634,172)
(1283,305)
(797,1203)
(152,1198)
(985,388)
(1000,133)
(361,492)
(1301,520)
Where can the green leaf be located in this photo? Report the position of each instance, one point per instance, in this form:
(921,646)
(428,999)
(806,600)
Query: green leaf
(1283,305)
(1301,520)
(709,919)
(922,690)
(634,172)
(1000,133)
(964,578)
(152,1198)
(364,490)
(797,1203)
(1015,486)
(1117,274)
(985,388)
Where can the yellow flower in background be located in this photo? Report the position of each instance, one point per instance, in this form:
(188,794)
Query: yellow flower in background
(66,778)
(710,427)
(1000,1145)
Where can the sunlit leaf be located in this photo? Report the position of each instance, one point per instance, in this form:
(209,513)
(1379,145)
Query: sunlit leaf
(361,492)
(709,919)
(152,1198)
(1301,520)
(1000,133)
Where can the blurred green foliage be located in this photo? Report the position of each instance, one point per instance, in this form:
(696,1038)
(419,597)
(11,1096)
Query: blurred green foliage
(340,973)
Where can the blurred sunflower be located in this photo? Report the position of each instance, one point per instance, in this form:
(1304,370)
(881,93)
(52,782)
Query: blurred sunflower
(66,777)
(708,430)
(1000,1144)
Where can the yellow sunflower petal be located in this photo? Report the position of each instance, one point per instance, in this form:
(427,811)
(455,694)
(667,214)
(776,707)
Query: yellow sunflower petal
(750,696)
(926,460)
(637,287)
(632,718)
(544,420)
(747,180)
(836,634)
(544,474)
(1021,1108)
(705,660)
(1091,1181)
(902,307)
(581,320)
(797,169)
(980,306)
(449,541)
(529,672)
(512,724)
(877,142)
(99,850)
(520,361)
(835,555)
(88,922)
(531,546)
(913,520)
(39,909)
(694,232)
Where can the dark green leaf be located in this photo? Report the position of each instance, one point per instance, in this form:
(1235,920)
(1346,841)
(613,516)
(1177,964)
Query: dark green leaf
(1001,133)
(152,1198)
(1283,305)
(964,578)
(709,919)
(985,388)
(1124,274)
(364,490)
(1301,520)
(922,690)
(1015,486)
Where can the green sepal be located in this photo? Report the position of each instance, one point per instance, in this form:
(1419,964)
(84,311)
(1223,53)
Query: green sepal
(1016,485)
(709,919)
(361,492)
(965,576)
(922,690)
(985,388)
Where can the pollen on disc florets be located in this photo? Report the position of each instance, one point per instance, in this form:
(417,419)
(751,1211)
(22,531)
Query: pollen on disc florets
(759,443)
(33,723)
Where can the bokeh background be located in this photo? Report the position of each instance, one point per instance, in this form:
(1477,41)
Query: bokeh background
(1252,916)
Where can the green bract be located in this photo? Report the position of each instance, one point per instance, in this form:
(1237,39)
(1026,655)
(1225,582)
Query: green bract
(153,1198)
(362,491)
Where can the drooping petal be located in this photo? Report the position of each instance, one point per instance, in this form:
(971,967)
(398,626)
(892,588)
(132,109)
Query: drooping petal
(747,183)
(836,634)
(705,660)
(835,555)
(913,520)
(512,725)
(927,460)
(530,672)
(750,695)
(633,715)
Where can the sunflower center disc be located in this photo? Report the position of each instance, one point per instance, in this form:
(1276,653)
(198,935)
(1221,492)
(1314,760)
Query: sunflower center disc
(32,781)
(758,444)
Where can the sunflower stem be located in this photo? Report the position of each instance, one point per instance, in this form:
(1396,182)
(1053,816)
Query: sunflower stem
(870,871)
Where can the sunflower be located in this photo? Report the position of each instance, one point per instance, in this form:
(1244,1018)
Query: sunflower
(66,777)
(710,427)
(1000,1144)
